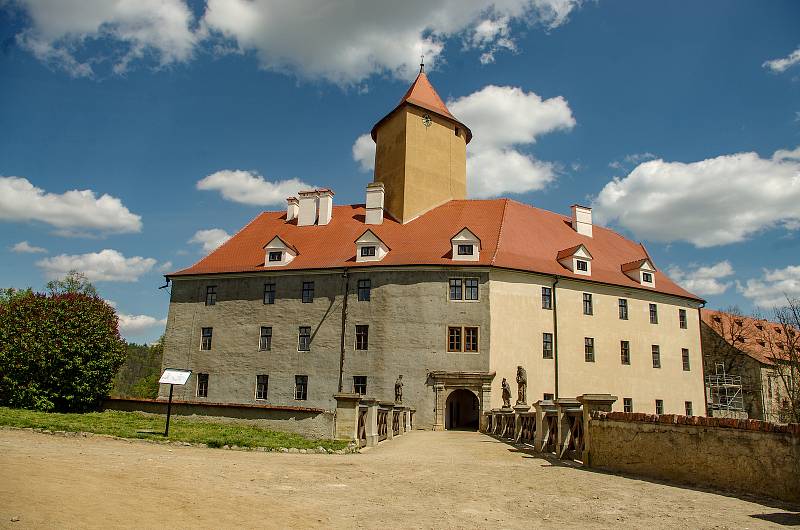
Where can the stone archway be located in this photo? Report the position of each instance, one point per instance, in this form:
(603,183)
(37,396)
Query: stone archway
(462,411)
(478,384)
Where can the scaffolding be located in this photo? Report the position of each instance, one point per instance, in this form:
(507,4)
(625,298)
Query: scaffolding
(724,391)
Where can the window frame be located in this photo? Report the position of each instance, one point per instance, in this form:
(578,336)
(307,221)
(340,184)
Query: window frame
(368,251)
(211,295)
(269,293)
(455,285)
(627,405)
(262,346)
(588,304)
(470,288)
(275,256)
(301,336)
(455,346)
(206,340)
(588,349)
(263,391)
(647,277)
(547,353)
(361,383)
(685,360)
(462,248)
(474,340)
(655,352)
(307,293)
(688,407)
(625,352)
(301,383)
(683,322)
(654,313)
(660,407)
(581,265)
(202,385)
(364,290)
(622,304)
(547,298)
(361,337)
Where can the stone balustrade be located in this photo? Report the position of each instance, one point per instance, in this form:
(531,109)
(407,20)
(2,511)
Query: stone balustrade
(369,421)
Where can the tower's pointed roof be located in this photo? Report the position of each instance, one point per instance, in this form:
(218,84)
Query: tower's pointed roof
(422,94)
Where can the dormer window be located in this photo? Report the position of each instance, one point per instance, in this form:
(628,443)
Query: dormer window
(369,247)
(641,271)
(465,246)
(576,259)
(465,250)
(647,277)
(278,252)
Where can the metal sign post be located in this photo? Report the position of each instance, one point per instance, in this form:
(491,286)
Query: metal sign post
(172,377)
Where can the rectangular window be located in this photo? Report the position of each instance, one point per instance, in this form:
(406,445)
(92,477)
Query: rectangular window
(659,406)
(653,314)
(211,295)
(548,396)
(265,341)
(362,337)
(547,298)
(269,293)
(456,289)
(470,339)
(688,406)
(275,255)
(685,358)
(301,387)
(647,277)
(547,345)
(364,288)
(656,356)
(582,265)
(465,250)
(367,251)
(308,292)
(587,304)
(470,288)
(205,338)
(625,351)
(623,309)
(304,340)
(682,318)
(453,339)
(360,384)
(262,383)
(627,404)
(588,349)
(202,385)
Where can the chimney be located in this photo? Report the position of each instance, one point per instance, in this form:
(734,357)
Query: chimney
(307,213)
(292,206)
(582,219)
(325,202)
(375,196)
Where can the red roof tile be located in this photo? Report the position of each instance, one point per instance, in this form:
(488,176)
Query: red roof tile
(513,235)
(757,334)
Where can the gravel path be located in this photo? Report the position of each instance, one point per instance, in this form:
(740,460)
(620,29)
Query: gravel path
(420,480)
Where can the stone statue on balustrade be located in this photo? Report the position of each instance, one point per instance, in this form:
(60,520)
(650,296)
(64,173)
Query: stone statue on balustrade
(506,394)
(522,385)
(398,390)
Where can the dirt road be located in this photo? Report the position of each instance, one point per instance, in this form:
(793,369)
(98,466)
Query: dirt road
(420,480)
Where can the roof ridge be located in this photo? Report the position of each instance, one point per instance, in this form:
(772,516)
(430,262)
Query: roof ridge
(500,230)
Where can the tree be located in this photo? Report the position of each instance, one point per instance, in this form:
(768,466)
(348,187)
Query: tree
(782,345)
(73,282)
(58,351)
(8,294)
(138,376)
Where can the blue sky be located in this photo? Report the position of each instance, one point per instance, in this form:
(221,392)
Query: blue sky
(693,107)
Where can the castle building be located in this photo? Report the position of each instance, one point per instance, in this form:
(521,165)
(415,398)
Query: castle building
(453,294)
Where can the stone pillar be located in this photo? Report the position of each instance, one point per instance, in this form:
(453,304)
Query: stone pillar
(485,404)
(407,419)
(439,404)
(565,406)
(411,418)
(389,406)
(541,408)
(346,418)
(372,421)
(591,403)
(519,409)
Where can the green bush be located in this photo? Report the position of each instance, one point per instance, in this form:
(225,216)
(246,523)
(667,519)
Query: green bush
(58,352)
(146,387)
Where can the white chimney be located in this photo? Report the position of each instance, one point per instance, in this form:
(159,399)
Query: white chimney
(375,196)
(292,206)
(582,219)
(325,202)
(307,213)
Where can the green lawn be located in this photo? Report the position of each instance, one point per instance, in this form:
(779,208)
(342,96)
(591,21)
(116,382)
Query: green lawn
(127,425)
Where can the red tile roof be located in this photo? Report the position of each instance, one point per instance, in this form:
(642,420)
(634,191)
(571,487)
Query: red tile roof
(422,94)
(757,334)
(513,236)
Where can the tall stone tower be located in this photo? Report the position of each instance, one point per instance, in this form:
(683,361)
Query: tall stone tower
(421,153)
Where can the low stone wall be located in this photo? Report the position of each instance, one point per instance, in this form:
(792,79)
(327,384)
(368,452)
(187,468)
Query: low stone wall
(747,456)
(309,422)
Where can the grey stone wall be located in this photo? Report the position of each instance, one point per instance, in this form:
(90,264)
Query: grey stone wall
(408,315)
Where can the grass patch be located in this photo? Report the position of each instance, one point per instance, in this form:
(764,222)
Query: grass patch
(127,425)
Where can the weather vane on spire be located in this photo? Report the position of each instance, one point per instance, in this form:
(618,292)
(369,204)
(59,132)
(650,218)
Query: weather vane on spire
(421,63)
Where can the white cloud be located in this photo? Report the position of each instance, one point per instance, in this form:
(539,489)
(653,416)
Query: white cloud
(23,247)
(712,202)
(705,280)
(773,287)
(632,159)
(784,63)
(62,32)
(364,152)
(71,212)
(346,41)
(211,239)
(138,324)
(248,187)
(165,267)
(502,119)
(105,266)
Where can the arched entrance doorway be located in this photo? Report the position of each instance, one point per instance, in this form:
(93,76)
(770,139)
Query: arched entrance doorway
(462,410)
